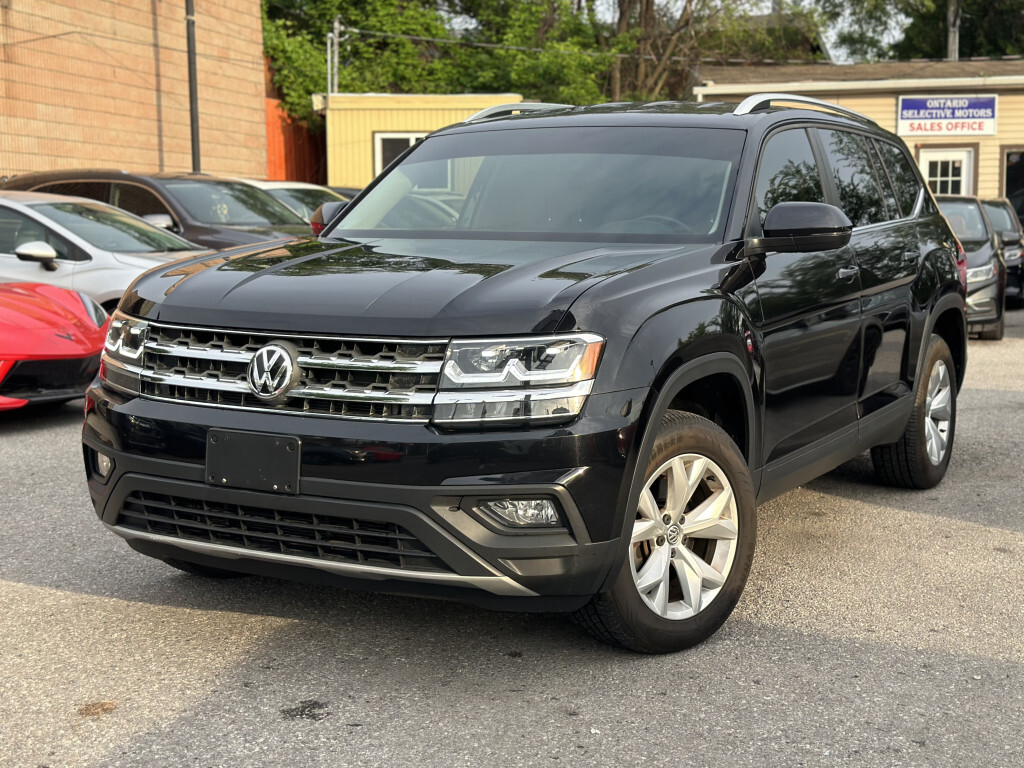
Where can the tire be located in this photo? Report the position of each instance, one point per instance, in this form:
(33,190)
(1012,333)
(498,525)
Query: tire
(920,457)
(206,571)
(679,580)
(994,332)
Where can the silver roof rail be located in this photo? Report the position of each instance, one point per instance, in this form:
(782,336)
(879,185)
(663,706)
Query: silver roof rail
(515,109)
(764,100)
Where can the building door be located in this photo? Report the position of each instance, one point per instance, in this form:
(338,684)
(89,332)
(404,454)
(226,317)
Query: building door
(948,171)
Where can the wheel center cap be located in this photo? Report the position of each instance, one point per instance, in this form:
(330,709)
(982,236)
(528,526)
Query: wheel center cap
(672,533)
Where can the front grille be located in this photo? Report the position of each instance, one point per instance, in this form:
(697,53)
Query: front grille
(265,529)
(28,378)
(355,378)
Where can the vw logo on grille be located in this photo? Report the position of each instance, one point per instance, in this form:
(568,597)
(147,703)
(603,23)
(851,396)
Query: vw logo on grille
(272,371)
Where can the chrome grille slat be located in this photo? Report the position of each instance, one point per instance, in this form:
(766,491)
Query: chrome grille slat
(358,378)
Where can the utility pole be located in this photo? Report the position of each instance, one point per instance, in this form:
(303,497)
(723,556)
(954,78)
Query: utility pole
(193,91)
(953,30)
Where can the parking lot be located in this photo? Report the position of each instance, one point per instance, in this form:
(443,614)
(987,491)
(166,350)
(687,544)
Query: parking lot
(879,628)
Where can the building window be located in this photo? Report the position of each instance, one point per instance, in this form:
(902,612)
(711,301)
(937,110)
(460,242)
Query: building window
(388,146)
(948,171)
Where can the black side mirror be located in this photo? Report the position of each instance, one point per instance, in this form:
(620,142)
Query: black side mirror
(37,250)
(324,215)
(799,227)
(1010,237)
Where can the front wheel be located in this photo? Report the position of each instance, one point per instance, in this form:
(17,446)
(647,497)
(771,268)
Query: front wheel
(920,457)
(691,543)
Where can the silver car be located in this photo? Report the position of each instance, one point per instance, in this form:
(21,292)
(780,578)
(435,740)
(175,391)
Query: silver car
(80,244)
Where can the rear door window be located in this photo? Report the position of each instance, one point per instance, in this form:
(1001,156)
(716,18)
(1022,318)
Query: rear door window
(94,190)
(905,181)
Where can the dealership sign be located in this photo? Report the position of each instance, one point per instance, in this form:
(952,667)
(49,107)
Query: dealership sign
(946,116)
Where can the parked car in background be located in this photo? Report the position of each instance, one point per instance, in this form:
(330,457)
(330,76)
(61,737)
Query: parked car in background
(1004,219)
(986,268)
(213,212)
(80,244)
(300,196)
(50,343)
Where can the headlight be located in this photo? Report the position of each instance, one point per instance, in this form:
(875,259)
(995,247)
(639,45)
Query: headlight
(521,380)
(986,272)
(122,352)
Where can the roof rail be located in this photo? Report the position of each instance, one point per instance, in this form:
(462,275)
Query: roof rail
(515,109)
(764,100)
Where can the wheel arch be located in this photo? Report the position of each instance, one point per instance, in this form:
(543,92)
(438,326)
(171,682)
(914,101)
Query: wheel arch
(950,323)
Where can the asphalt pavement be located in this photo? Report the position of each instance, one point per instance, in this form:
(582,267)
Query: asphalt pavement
(879,628)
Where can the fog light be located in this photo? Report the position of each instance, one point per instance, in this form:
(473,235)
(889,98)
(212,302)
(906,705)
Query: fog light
(103,464)
(523,513)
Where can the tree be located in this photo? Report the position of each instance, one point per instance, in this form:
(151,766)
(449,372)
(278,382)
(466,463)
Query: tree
(987,28)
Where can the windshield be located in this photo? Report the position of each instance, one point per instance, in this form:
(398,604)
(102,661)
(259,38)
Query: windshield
(112,229)
(637,184)
(965,217)
(230,202)
(304,200)
(999,215)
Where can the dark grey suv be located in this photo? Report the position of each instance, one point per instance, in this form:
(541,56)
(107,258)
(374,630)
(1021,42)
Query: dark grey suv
(548,361)
(210,211)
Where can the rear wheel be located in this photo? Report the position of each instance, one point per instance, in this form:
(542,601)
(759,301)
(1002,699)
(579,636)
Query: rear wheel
(691,543)
(920,457)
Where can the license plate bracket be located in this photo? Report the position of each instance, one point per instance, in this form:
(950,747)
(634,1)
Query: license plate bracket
(253,460)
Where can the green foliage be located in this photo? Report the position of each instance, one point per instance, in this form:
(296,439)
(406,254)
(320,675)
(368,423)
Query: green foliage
(987,28)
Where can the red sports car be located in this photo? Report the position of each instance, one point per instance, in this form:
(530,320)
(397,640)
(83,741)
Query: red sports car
(50,343)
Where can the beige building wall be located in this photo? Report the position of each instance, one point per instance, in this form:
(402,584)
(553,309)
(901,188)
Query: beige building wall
(882,108)
(104,83)
(353,120)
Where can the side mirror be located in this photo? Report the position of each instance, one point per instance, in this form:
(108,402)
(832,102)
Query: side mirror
(1009,237)
(37,250)
(324,215)
(802,227)
(161,220)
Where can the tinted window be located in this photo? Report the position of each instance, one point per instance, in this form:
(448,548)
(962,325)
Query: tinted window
(854,177)
(787,172)
(96,190)
(304,200)
(901,174)
(228,202)
(137,199)
(111,228)
(965,218)
(1000,216)
(17,229)
(643,184)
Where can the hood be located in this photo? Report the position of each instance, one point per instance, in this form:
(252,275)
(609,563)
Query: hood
(39,321)
(245,235)
(387,287)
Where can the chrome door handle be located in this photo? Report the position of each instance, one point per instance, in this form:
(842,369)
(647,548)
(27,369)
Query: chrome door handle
(847,273)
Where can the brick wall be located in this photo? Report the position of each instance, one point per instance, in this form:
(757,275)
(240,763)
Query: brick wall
(104,83)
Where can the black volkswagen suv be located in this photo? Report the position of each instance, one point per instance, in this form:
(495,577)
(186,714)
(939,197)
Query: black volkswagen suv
(551,360)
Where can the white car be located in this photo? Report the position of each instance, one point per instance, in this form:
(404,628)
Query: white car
(81,244)
(302,197)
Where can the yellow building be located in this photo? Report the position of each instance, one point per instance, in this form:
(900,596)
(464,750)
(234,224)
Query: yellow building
(366,131)
(963,121)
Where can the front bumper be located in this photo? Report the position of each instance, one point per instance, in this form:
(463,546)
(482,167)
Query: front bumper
(984,303)
(384,506)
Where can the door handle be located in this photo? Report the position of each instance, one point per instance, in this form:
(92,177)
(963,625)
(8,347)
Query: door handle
(910,255)
(847,273)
